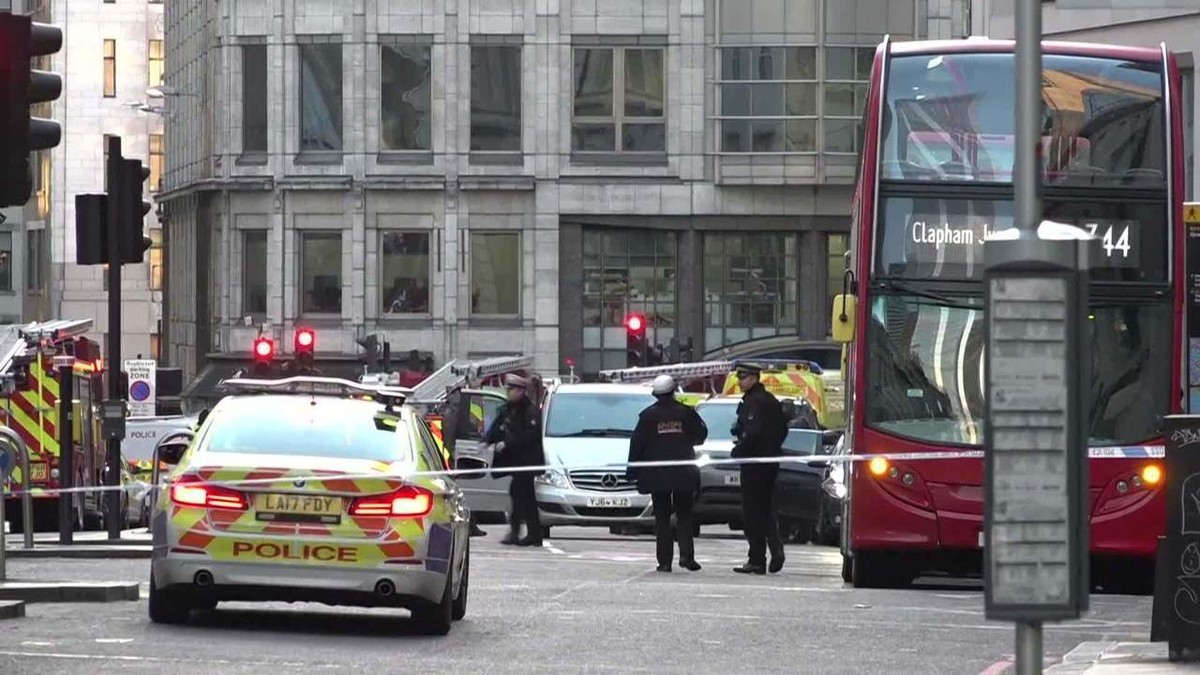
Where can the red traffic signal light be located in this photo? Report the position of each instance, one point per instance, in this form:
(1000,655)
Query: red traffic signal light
(264,349)
(635,323)
(305,341)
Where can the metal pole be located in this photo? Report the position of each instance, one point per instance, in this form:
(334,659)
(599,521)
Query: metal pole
(7,435)
(1029,648)
(1027,183)
(66,456)
(116,194)
(1027,178)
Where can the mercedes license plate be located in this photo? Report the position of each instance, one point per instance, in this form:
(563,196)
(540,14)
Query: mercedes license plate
(609,502)
(733,479)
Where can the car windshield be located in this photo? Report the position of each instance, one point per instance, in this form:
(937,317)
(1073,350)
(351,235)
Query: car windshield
(719,418)
(595,414)
(303,426)
(925,373)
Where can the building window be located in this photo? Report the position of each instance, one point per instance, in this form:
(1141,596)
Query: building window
(495,273)
(847,71)
(156,162)
(620,100)
(35,244)
(321,272)
(625,271)
(156,63)
(320,97)
(156,259)
(404,272)
(836,246)
(155,346)
(110,68)
(254,98)
(768,99)
(750,286)
(496,98)
(254,272)
(104,169)
(6,255)
(405,121)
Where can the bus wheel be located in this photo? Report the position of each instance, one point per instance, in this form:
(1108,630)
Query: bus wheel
(875,569)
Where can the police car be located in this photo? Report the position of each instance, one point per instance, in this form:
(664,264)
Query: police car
(309,489)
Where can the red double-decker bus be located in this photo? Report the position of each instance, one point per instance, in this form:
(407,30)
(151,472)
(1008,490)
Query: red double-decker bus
(935,180)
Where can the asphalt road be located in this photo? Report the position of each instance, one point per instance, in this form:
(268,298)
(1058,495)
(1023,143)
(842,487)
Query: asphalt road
(587,602)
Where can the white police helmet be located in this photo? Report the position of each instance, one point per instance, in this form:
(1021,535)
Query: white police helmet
(663,384)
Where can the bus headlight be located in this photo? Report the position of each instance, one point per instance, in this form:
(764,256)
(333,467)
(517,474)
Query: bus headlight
(1151,475)
(877,466)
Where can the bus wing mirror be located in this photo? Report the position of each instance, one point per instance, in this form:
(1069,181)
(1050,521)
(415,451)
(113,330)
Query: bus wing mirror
(844,306)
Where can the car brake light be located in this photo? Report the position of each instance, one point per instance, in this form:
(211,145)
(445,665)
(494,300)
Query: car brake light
(189,491)
(407,502)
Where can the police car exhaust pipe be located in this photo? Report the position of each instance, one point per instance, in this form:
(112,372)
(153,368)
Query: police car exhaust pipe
(203,578)
(384,588)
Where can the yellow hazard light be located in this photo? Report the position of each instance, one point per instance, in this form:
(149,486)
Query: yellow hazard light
(1151,474)
(878,466)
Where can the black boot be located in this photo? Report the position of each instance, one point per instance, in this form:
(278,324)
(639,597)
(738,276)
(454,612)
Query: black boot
(476,531)
(510,539)
(749,568)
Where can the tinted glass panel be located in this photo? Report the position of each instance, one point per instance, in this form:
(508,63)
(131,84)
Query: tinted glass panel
(599,415)
(719,418)
(951,117)
(925,377)
(924,238)
(326,428)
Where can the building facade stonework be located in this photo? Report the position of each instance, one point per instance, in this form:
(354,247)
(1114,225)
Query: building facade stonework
(481,177)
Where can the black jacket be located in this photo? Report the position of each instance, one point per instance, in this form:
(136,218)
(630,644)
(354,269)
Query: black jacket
(519,426)
(667,430)
(761,426)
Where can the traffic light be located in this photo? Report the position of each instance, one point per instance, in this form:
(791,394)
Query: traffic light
(134,242)
(635,340)
(304,344)
(20,87)
(264,353)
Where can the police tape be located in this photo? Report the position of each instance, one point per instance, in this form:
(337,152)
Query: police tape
(702,461)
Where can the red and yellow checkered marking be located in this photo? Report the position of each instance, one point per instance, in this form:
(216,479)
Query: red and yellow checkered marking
(33,413)
(362,541)
(794,381)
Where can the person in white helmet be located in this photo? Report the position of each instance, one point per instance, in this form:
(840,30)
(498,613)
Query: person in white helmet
(668,431)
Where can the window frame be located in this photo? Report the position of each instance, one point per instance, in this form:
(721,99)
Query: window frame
(160,59)
(266,240)
(618,119)
(516,43)
(154,259)
(109,72)
(379,257)
(155,161)
(857,84)
(6,280)
(519,268)
(422,41)
(724,326)
(320,42)
(724,81)
(302,288)
(265,113)
(830,276)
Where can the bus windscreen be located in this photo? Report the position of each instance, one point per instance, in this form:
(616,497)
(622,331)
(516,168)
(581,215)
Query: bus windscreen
(950,118)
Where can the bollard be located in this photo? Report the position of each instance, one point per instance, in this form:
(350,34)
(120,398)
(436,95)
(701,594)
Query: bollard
(14,440)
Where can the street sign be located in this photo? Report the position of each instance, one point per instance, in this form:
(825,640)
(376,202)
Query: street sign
(141,387)
(1036,532)
(8,459)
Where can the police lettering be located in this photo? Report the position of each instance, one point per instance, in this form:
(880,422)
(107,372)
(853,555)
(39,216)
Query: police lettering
(670,427)
(320,553)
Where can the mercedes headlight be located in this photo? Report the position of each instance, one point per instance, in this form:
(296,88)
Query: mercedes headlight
(555,478)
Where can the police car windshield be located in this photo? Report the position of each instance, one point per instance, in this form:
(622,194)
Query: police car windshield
(593,414)
(304,426)
(719,418)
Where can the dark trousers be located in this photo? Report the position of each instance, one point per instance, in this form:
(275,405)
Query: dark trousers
(758,512)
(681,503)
(524,506)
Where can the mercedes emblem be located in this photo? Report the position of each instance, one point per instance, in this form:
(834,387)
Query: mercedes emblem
(609,480)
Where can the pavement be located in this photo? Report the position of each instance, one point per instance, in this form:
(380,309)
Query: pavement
(587,602)
(88,545)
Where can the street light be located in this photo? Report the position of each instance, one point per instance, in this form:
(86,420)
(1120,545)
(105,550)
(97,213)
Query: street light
(165,90)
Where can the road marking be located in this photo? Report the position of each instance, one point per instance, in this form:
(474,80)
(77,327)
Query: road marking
(36,643)
(162,659)
(552,548)
(114,641)
(997,668)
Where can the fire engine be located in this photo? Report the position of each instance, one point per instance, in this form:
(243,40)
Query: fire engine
(30,405)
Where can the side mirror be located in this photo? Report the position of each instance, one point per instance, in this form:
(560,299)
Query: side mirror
(170,448)
(844,307)
(386,422)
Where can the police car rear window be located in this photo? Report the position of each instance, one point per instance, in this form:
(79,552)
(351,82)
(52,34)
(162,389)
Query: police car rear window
(327,428)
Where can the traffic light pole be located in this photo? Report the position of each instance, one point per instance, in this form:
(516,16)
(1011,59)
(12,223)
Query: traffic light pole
(116,198)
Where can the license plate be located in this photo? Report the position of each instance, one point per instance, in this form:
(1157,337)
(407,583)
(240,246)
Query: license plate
(38,471)
(610,502)
(298,505)
(733,479)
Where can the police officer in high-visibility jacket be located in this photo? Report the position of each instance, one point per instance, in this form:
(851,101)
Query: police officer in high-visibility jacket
(760,431)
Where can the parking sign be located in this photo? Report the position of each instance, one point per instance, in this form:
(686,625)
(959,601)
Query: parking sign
(141,394)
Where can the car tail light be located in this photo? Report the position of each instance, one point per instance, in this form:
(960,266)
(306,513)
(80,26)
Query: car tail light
(190,491)
(407,502)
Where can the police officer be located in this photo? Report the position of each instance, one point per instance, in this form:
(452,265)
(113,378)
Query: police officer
(761,429)
(668,430)
(516,437)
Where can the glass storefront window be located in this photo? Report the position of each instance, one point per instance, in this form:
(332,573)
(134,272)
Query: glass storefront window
(625,271)
(750,286)
(836,246)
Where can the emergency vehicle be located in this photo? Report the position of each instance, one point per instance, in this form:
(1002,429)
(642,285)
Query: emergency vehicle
(30,405)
